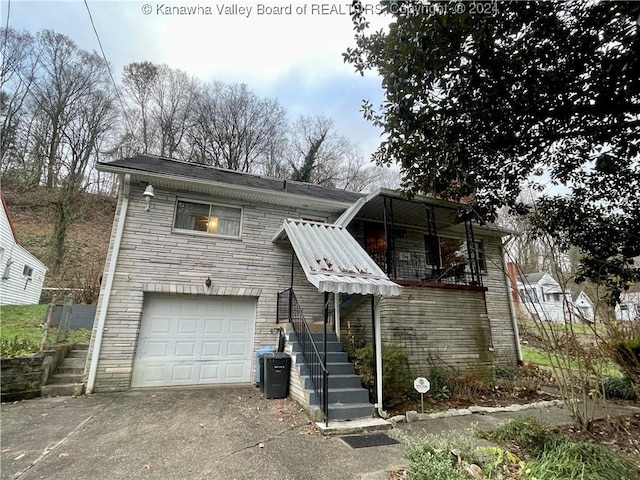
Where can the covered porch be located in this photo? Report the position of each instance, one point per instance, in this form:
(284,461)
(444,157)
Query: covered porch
(418,241)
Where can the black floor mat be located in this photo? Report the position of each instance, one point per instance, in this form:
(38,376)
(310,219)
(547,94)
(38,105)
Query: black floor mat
(372,440)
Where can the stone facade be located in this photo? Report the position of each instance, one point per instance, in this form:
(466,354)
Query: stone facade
(469,328)
(22,377)
(153,258)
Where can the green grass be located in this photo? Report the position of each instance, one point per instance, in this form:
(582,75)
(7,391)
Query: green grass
(22,321)
(21,331)
(531,354)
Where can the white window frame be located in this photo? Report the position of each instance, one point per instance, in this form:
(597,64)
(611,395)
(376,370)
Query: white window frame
(210,204)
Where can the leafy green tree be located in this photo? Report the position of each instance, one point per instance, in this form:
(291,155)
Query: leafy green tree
(480,103)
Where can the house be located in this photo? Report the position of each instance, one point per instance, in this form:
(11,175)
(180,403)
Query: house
(22,273)
(542,297)
(629,307)
(206,266)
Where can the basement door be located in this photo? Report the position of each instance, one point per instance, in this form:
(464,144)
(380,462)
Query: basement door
(194,340)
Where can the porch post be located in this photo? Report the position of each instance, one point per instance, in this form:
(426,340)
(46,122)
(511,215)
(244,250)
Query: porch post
(336,313)
(472,254)
(377,334)
(293,257)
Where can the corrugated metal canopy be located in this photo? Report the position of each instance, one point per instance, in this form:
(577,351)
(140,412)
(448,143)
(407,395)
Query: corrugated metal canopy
(334,261)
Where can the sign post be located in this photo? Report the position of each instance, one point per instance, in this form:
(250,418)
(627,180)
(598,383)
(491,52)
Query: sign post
(422,385)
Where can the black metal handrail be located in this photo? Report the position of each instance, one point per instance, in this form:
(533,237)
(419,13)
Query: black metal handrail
(288,308)
(417,266)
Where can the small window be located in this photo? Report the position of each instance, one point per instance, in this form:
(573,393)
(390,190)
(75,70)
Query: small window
(208,218)
(27,271)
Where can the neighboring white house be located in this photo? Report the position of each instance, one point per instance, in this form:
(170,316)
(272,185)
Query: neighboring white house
(629,306)
(21,274)
(541,296)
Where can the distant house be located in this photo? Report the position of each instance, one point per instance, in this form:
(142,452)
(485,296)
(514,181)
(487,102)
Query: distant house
(629,307)
(541,296)
(22,273)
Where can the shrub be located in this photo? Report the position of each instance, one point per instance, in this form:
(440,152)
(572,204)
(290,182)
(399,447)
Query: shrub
(570,460)
(397,379)
(17,347)
(430,456)
(467,386)
(556,457)
(530,435)
(619,387)
(626,353)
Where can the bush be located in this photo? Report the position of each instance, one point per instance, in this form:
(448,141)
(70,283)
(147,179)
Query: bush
(17,347)
(556,457)
(530,435)
(397,379)
(619,387)
(626,353)
(430,456)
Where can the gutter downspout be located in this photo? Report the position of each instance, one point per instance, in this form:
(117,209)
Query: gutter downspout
(378,341)
(514,321)
(106,295)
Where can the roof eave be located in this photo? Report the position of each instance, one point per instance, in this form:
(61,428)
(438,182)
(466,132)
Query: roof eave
(285,198)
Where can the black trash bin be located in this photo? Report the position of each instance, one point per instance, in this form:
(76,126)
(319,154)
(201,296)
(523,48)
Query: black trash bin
(276,369)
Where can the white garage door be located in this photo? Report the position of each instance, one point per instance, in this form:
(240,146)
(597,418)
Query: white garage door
(186,340)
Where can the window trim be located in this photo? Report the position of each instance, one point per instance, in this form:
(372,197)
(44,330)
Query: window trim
(29,272)
(174,229)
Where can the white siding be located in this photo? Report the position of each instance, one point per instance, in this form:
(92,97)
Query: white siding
(17,289)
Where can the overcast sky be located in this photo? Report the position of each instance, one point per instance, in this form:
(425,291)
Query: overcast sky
(294,56)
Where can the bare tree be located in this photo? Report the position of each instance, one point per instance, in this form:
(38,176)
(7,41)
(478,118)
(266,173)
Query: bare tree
(138,80)
(16,79)
(234,128)
(69,107)
(317,153)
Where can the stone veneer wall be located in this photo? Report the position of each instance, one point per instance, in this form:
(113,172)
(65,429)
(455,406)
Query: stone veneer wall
(22,377)
(469,329)
(155,259)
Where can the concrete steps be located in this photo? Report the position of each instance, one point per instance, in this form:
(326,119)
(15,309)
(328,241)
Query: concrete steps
(347,399)
(69,377)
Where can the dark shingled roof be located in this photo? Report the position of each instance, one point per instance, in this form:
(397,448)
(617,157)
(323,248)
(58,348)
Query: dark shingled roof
(165,166)
(533,278)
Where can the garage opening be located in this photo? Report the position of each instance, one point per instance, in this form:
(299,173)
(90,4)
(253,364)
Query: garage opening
(194,340)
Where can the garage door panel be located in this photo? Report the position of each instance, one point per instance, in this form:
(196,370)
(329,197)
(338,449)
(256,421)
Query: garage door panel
(182,373)
(187,326)
(210,350)
(236,349)
(213,327)
(192,340)
(161,326)
(209,373)
(158,348)
(185,350)
(153,374)
(234,371)
(237,327)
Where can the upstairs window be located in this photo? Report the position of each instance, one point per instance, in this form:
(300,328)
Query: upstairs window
(211,218)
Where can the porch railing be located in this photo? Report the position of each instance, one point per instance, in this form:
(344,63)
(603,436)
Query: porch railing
(416,266)
(288,309)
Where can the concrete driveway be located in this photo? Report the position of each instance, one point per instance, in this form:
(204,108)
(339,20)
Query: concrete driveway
(213,433)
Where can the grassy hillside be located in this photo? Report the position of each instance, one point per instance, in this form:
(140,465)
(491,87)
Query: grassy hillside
(87,240)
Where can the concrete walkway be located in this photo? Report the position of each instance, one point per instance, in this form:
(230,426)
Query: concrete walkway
(215,433)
